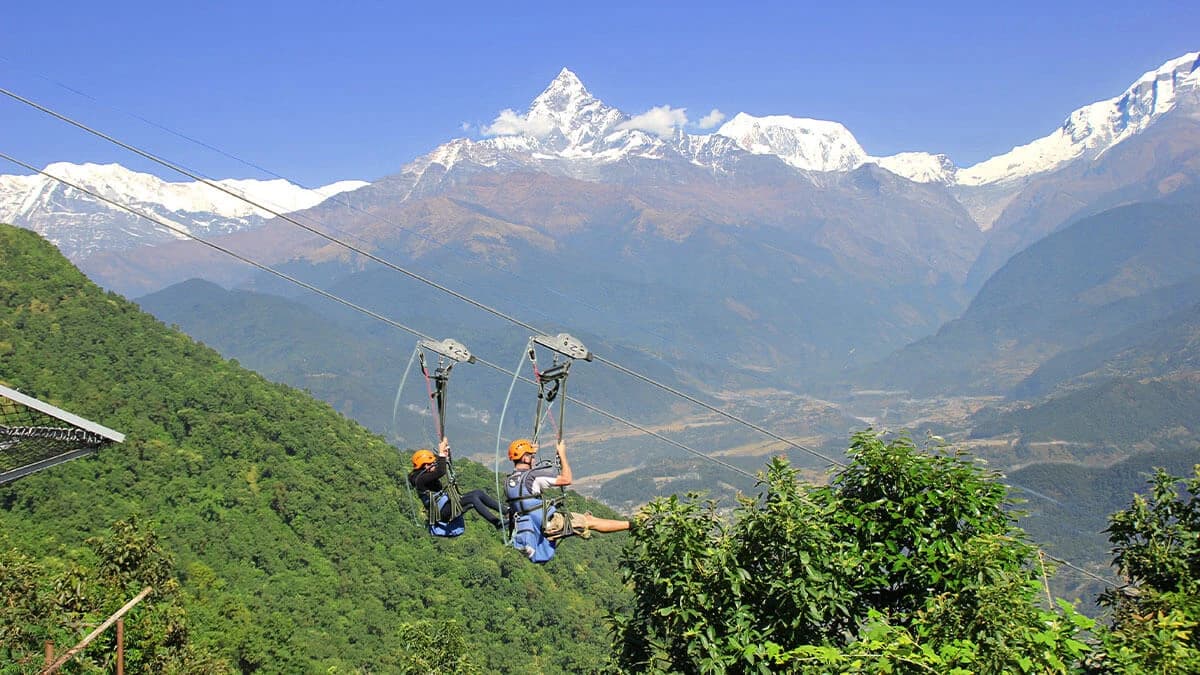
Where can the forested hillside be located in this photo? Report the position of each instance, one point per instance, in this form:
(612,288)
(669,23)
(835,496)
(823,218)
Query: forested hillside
(1147,350)
(1094,279)
(1067,505)
(1119,413)
(288,527)
(355,362)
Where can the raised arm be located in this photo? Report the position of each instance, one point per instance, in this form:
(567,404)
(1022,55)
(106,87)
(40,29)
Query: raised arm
(439,469)
(564,473)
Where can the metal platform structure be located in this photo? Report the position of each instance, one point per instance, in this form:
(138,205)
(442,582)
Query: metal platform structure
(35,435)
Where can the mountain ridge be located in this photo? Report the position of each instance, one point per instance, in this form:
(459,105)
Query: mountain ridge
(821,145)
(1086,282)
(66,216)
(568,131)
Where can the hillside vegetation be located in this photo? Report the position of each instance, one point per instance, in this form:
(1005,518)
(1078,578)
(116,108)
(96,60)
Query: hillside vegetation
(286,524)
(277,540)
(1117,413)
(907,562)
(1153,349)
(1094,279)
(1066,505)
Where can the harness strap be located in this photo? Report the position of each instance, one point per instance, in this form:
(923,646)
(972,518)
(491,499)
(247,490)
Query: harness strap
(566,530)
(433,506)
(437,394)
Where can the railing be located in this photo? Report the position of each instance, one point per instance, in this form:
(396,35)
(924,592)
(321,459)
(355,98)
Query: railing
(53,665)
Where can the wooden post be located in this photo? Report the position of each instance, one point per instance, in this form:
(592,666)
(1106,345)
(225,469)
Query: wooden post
(1045,581)
(49,653)
(121,646)
(70,653)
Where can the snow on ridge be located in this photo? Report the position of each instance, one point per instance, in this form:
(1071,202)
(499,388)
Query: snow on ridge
(567,123)
(919,167)
(281,195)
(1094,128)
(813,145)
(125,186)
(564,122)
(564,91)
(338,187)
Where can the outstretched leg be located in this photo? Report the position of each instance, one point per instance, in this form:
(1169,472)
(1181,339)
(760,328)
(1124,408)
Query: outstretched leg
(590,522)
(484,504)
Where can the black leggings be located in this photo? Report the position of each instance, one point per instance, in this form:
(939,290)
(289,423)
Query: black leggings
(482,502)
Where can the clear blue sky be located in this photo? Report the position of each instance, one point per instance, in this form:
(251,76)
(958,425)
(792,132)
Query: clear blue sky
(322,91)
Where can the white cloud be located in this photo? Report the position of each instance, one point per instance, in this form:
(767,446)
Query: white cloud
(659,120)
(509,123)
(712,119)
(466,127)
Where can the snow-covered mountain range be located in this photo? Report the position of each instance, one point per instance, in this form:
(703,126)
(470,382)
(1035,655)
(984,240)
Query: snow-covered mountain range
(568,131)
(567,127)
(1094,129)
(79,223)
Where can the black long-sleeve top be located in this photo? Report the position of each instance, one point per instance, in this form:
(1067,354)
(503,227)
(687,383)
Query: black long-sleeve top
(427,480)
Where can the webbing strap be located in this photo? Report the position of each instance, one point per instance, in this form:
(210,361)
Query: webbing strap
(568,527)
(433,510)
(437,396)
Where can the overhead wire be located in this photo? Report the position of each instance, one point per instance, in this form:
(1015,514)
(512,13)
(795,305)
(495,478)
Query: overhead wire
(1082,571)
(338,198)
(347,204)
(413,275)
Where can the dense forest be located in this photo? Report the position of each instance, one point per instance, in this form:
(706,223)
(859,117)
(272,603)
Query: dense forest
(287,526)
(1119,412)
(277,538)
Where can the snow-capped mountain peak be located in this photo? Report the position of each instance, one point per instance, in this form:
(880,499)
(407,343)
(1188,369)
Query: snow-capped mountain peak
(564,93)
(919,167)
(80,223)
(1094,128)
(563,123)
(813,145)
(569,116)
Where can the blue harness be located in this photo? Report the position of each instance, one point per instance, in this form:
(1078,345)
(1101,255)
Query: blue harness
(433,509)
(440,528)
(530,514)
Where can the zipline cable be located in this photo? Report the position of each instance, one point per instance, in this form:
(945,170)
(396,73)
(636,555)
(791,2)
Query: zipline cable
(1083,571)
(413,275)
(308,228)
(356,307)
(464,298)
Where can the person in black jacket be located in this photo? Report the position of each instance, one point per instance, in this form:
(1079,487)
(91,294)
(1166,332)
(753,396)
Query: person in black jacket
(426,477)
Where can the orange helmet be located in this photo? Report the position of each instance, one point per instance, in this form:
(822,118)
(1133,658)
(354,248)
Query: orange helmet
(422,457)
(519,448)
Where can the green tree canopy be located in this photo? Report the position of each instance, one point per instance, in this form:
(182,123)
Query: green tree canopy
(906,559)
(61,600)
(1156,547)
